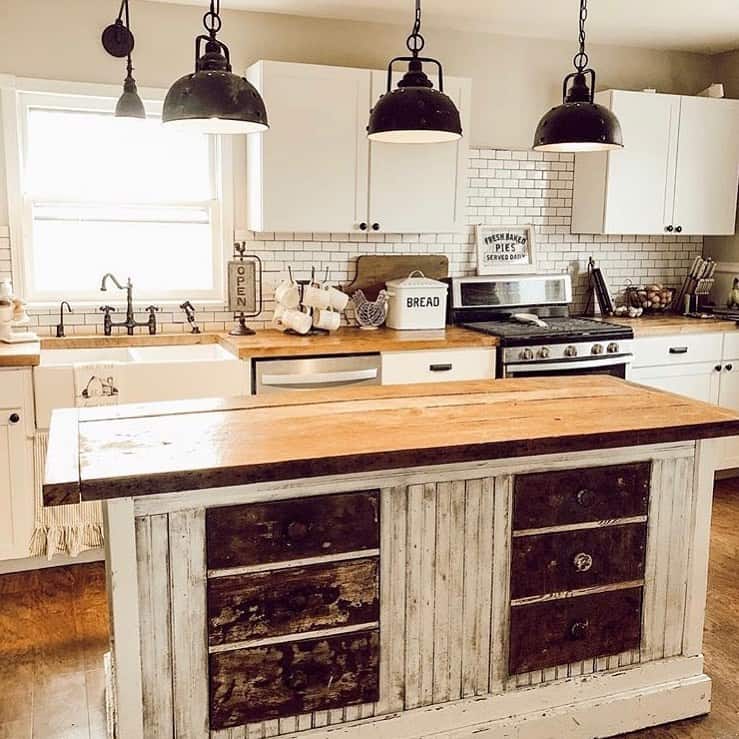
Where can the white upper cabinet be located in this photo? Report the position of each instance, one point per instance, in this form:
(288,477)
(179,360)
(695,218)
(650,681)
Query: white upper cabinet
(420,187)
(308,172)
(316,171)
(678,171)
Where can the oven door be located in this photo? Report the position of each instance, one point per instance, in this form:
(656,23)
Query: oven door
(617,366)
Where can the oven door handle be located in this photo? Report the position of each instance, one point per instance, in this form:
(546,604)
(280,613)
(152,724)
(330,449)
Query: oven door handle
(510,369)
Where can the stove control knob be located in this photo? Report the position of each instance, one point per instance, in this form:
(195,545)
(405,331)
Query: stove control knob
(570,351)
(526,355)
(544,352)
(597,349)
(613,348)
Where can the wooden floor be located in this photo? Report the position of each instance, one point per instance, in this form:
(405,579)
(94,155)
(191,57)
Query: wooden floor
(54,630)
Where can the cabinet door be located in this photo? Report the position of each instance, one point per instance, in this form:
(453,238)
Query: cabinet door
(698,381)
(420,188)
(308,173)
(16,485)
(707,173)
(639,186)
(728,454)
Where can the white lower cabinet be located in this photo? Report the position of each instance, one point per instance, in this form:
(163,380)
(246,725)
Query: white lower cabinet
(437,365)
(671,363)
(16,462)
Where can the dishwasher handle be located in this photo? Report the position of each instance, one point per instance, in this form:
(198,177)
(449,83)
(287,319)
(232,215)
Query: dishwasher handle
(321,378)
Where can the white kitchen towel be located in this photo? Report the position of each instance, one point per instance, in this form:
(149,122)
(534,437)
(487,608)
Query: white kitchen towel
(97,383)
(71,529)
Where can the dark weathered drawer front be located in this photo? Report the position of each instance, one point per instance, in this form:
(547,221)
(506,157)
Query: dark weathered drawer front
(291,529)
(268,682)
(551,563)
(556,632)
(292,601)
(575,496)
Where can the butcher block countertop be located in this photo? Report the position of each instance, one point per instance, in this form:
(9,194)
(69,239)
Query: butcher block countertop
(19,355)
(109,452)
(671,324)
(273,343)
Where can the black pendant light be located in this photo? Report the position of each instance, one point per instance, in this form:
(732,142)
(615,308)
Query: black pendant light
(118,41)
(579,124)
(213,99)
(414,113)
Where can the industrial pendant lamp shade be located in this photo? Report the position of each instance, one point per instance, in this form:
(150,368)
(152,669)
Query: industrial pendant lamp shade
(118,41)
(414,113)
(129,104)
(579,124)
(213,99)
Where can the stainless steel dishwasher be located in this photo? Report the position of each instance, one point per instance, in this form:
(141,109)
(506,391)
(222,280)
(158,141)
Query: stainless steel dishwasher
(311,373)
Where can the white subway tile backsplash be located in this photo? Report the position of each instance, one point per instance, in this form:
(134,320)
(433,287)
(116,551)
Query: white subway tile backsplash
(504,187)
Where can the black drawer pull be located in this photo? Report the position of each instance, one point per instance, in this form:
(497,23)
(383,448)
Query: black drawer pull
(14,418)
(678,350)
(440,367)
(579,630)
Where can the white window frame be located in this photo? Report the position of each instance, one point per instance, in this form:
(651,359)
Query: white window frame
(16,96)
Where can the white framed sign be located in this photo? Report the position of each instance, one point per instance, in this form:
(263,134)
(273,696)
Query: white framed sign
(505,250)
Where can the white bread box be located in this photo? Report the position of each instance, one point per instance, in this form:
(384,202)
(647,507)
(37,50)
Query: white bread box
(416,302)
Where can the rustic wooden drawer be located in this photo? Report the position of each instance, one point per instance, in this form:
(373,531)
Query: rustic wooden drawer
(575,496)
(268,682)
(555,632)
(293,601)
(552,563)
(263,533)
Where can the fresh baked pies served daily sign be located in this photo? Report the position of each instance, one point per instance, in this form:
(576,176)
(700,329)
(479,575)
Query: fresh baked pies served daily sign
(505,250)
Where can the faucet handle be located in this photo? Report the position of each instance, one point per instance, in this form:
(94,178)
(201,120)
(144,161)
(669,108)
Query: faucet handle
(107,308)
(153,308)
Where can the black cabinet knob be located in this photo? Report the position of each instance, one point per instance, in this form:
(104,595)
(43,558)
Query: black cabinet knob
(362,226)
(375,226)
(14,418)
(717,368)
(729,367)
(678,229)
(579,630)
(668,229)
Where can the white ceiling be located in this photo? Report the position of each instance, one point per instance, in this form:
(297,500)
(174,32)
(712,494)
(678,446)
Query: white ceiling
(691,25)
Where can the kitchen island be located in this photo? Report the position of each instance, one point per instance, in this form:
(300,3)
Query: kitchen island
(510,558)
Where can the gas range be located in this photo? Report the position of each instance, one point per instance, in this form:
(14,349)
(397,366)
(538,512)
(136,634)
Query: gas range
(530,316)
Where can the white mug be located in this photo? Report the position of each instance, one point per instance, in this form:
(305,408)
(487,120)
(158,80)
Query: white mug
(316,297)
(287,293)
(296,320)
(328,320)
(337,299)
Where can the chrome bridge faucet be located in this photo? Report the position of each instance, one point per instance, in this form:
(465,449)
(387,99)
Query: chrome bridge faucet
(130,323)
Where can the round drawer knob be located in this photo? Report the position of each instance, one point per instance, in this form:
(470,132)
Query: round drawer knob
(297,680)
(297,531)
(585,497)
(14,418)
(579,630)
(582,562)
(375,226)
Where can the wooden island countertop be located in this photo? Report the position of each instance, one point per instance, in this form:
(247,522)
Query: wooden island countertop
(155,448)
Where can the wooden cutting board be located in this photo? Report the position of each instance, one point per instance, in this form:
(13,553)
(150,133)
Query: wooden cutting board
(374,271)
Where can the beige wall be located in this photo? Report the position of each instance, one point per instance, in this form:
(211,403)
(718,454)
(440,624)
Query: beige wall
(726,70)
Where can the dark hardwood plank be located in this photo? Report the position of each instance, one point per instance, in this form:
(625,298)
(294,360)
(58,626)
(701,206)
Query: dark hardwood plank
(576,496)
(292,601)
(552,563)
(262,533)
(288,679)
(556,632)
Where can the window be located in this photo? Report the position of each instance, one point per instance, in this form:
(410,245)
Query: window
(100,194)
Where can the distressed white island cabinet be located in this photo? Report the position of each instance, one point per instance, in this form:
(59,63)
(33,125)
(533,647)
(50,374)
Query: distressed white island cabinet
(515,558)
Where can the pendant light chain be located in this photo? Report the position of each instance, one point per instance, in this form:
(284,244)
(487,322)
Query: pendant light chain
(129,63)
(415,42)
(212,19)
(580,59)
